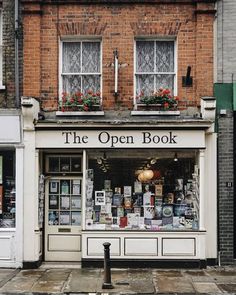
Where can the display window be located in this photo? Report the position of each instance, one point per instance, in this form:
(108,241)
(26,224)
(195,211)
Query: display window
(142,190)
(7,189)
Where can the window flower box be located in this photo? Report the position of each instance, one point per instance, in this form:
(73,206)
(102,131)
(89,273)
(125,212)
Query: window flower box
(158,103)
(80,104)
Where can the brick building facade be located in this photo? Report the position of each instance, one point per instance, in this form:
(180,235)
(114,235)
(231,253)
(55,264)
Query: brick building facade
(119,51)
(118,24)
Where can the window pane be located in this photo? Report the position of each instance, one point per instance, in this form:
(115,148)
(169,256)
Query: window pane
(165,81)
(7,189)
(91,57)
(164,56)
(126,197)
(91,83)
(71,83)
(71,57)
(145,56)
(145,84)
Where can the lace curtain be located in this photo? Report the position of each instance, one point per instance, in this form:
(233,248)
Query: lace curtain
(154,66)
(81,66)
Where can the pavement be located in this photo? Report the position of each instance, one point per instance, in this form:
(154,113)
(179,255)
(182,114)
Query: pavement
(66,280)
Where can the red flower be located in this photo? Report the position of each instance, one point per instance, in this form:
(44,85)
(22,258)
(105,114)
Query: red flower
(166,91)
(90,92)
(86,108)
(63,109)
(176,98)
(80,100)
(98,94)
(166,105)
(78,94)
(72,100)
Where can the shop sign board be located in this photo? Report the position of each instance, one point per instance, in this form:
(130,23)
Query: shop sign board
(120,139)
(10,129)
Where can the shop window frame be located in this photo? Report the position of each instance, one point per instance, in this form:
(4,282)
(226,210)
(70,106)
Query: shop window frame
(66,171)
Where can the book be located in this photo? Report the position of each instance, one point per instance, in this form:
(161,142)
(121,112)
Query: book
(158,190)
(117,200)
(127,191)
(120,211)
(147,199)
(123,221)
(127,202)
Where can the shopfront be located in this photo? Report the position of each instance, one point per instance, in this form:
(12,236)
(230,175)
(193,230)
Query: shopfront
(148,192)
(11,190)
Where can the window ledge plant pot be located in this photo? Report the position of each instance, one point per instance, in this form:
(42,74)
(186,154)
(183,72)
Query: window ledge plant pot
(154,109)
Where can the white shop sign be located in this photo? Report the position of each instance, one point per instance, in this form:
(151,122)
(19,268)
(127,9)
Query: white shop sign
(9,129)
(120,139)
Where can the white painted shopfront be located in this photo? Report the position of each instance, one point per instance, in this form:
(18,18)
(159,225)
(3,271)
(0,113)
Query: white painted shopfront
(75,194)
(11,189)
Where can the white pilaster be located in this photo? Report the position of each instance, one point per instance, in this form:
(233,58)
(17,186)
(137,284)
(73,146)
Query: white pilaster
(19,204)
(84,189)
(30,109)
(202,189)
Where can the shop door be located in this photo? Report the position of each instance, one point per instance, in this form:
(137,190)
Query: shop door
(63,219)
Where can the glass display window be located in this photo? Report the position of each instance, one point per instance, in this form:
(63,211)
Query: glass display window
(7,189)
(142,190)
(64,202)
(63,164)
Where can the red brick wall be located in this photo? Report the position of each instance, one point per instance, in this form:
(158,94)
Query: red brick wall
(118,25)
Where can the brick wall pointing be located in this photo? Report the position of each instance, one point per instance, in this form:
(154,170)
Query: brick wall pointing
(7,96)
(117,25)
(226,40)
(226,195)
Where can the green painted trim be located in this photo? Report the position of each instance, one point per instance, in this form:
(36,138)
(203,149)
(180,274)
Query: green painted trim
(223,93)
(234,96)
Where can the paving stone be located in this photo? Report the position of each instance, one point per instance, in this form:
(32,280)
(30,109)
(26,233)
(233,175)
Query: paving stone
(231,288)
(222,272)
(83,280)
(173,285)
(31,273)
(18,284)
(168,273)
(196,273)
(206,288)
(56,275)
(48,286)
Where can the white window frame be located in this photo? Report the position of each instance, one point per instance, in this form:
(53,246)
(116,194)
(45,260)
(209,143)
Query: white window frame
(61,74)
(174,73)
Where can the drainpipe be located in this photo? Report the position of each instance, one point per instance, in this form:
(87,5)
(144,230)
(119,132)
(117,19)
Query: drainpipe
(17,92)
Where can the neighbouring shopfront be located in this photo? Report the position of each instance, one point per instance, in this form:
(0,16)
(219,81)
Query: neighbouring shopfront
(11,190)
(151,193)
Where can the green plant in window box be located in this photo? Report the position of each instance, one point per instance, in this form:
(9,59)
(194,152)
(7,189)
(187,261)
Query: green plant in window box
(161,99)
(78,101)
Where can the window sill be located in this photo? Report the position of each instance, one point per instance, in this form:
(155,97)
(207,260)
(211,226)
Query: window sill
(75,113)
(2,87)
(155,113)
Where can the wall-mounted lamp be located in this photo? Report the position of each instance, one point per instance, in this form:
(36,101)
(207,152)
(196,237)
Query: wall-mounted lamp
(176,158)
(187,81)
(153,161)
(99,161)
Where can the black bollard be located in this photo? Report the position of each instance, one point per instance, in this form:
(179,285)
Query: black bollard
(107,267)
